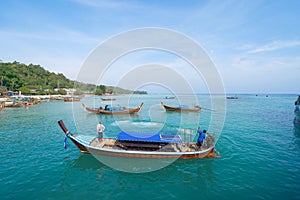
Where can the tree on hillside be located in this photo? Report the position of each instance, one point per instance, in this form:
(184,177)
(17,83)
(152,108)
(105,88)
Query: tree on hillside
(19,76)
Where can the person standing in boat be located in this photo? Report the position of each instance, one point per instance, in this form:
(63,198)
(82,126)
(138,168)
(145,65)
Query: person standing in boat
(201,137)
(100,129)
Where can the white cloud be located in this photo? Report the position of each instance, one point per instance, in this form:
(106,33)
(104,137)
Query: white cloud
(276,45)
(106,4)
(262,64)
(60,35)
(252,73)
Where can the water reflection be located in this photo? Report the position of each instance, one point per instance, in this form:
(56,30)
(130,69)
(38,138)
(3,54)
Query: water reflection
(86,162)
(134,165)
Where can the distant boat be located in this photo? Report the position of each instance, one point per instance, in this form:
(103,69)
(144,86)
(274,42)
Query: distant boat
(142,145)
(113,110)
(12,103)
(232,97)
(31,101)
(171,97)
(56,98)
(72,99)
(181,108)
(108,99)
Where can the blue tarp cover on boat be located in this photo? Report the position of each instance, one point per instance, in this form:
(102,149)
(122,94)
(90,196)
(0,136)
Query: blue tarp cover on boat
(114,108)
(149,137)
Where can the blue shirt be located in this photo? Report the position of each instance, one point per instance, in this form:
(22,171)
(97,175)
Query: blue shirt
(201,137)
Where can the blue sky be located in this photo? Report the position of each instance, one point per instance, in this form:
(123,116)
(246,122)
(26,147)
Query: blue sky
(255,45)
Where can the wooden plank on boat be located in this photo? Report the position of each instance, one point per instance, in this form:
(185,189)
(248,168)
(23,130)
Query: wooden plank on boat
(140,145)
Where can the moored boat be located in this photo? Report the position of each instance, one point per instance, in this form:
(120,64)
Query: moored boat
(56,98)
(231,97)
(72,99)
(91,110)
(108,99)
(12,103)
(170,97)
(138,145)
(113,110)
(181,108)
(31,101)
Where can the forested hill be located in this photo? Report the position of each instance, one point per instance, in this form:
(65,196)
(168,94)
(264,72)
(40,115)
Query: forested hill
(17,75)
(35,79)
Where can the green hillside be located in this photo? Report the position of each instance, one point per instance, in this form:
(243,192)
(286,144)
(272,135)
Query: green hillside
(34,79)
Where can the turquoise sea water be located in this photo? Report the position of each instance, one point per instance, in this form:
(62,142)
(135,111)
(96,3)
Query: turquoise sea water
(259,153)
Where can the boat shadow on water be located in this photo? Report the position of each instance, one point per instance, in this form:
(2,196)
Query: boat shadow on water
(139,165)
(86,162)
(132,165)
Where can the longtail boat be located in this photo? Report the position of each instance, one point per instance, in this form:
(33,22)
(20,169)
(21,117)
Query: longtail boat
(169,97)
(108,99)
(57,98)
(91,110)
(13,104)
(139,145)
(31,101)
(181,108)
(113,110)
(232,97)
(72,99)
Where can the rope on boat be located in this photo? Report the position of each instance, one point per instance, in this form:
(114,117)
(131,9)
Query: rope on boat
(66,141)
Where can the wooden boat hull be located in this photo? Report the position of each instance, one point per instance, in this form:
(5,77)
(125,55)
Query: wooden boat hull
(90,110)
(13,104)
(72,99)
(85,147)
(179,109)
(235,97)
(107,112)
(108,99)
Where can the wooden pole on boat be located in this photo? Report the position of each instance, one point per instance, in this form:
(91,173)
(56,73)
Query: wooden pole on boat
(62,126)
